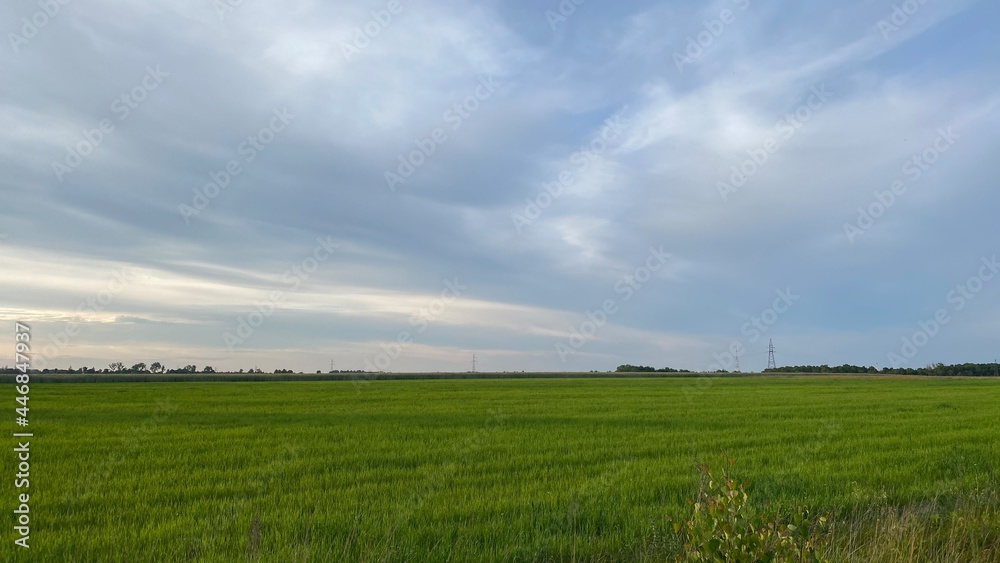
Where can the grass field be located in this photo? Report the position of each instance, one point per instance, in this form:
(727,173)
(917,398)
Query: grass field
(530,469)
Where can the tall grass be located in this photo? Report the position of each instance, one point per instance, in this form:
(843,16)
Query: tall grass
(964,527)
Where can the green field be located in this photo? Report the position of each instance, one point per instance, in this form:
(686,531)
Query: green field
(527,470)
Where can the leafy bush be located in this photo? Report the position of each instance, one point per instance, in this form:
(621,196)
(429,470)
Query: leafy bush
(724,526)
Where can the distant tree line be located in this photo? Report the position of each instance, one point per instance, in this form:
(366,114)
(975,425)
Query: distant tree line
(119,367)
(155,368)
(627,368)
(975,370)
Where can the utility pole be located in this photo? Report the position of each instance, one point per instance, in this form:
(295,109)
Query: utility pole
(770,355)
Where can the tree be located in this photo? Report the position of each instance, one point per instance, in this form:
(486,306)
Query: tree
(208,369)
(190,368)
(156,367)
(138,368)
(117,367)
(627,368)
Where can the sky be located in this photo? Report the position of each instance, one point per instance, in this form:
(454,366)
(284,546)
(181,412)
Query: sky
(549,186)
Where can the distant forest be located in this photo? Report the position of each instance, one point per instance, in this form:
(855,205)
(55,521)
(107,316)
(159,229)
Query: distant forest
(981,370)
(935,369)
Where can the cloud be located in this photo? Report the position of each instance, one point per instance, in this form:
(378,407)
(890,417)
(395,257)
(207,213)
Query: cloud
(361,102)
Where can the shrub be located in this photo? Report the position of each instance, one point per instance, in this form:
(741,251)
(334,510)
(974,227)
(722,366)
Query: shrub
(725,526)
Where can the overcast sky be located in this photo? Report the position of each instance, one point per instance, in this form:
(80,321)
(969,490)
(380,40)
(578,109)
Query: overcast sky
(400,185)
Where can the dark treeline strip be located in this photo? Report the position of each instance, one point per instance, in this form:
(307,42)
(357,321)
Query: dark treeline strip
(85,375)
(357,378)
(629,368)
(941,370)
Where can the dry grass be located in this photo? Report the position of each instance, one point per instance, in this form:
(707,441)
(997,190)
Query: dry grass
(965,527)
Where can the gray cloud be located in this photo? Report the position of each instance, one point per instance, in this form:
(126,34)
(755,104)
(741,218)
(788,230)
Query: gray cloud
(655,184)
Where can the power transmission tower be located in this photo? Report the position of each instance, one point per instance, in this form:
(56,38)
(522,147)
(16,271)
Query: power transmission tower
(770,355)
(737,363)
(473,362)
